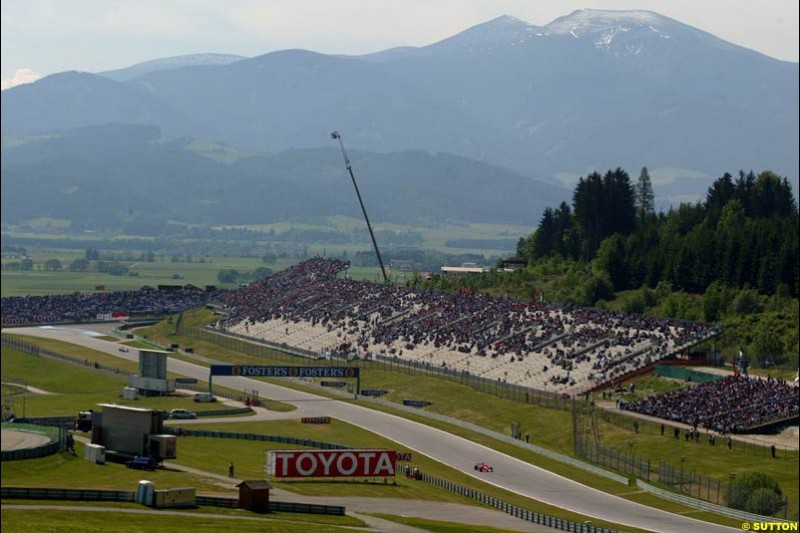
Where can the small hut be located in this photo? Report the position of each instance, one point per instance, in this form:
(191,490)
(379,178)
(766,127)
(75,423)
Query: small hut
(254,495)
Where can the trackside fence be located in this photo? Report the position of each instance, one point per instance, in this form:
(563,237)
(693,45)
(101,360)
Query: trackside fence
(274,506)
(692,502)
(513,510)
(624,420)
(687,486)
(614,459)
(707,491)
(27,493)
(10,341)
(253,436)
(52,428)
(56,434)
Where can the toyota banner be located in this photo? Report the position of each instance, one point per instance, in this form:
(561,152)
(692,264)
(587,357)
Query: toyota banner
(331,463)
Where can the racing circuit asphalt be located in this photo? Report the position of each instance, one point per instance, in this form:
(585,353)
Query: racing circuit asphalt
(509,473)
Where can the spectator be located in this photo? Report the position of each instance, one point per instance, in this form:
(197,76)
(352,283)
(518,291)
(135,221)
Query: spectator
(734,404)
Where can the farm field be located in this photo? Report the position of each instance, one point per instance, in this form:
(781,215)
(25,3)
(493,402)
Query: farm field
(442,237)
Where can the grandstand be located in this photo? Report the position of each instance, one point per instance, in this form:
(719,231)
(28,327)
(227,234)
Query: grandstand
(735,404)
(20,310)
(558,349)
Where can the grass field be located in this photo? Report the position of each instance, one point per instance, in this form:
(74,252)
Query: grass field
(78,388)
(439,527)
(41,282)
(164,271)
(56,520)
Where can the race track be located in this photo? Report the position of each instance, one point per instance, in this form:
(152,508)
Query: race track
(509,473)
(18,440)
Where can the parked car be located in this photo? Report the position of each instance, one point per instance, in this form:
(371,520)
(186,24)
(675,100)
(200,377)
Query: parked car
(205,397)
(182,413)
(143,463)
(124,350)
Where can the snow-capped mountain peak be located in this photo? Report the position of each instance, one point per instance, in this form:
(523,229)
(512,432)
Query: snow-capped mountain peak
(621,33)
(591,21)
(502,31)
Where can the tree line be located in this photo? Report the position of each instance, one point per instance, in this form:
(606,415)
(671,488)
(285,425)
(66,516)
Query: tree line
(744,234)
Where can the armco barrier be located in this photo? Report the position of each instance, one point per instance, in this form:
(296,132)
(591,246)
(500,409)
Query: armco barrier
(707,506)
(28,493)
(50,421)
(30,453)
(224,412)
(264,438)
(274,506)
(216,501)
(306,508)
(56,435)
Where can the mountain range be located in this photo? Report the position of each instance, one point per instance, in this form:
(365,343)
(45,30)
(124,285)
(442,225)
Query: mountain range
(591,90)
(113,176)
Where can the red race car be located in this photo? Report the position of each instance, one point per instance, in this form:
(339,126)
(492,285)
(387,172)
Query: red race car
(483,467)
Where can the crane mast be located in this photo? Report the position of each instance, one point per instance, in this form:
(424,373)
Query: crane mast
(336,136)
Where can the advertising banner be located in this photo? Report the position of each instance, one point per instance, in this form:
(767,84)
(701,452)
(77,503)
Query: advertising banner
(331,463)
(285,371)
(374,392)
(416,403)
(315,420)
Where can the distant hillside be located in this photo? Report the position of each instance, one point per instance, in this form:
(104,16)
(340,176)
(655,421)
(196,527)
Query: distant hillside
(113,175)
(169,63)
(591,90)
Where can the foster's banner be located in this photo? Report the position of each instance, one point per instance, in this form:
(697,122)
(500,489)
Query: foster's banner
(331,463)
(285,371)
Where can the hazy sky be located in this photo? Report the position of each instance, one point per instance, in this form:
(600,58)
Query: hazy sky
(41,37)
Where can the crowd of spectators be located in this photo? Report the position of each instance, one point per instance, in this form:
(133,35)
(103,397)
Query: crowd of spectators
(734,404)
(574,347)
(88,306)
(568,349)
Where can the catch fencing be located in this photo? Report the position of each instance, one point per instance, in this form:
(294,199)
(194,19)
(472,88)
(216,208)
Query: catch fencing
(747,445)
(692,488)
(723,495)
(708,506)
(10,341)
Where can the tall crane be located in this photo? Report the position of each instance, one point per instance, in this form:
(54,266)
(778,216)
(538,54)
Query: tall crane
(336,136)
